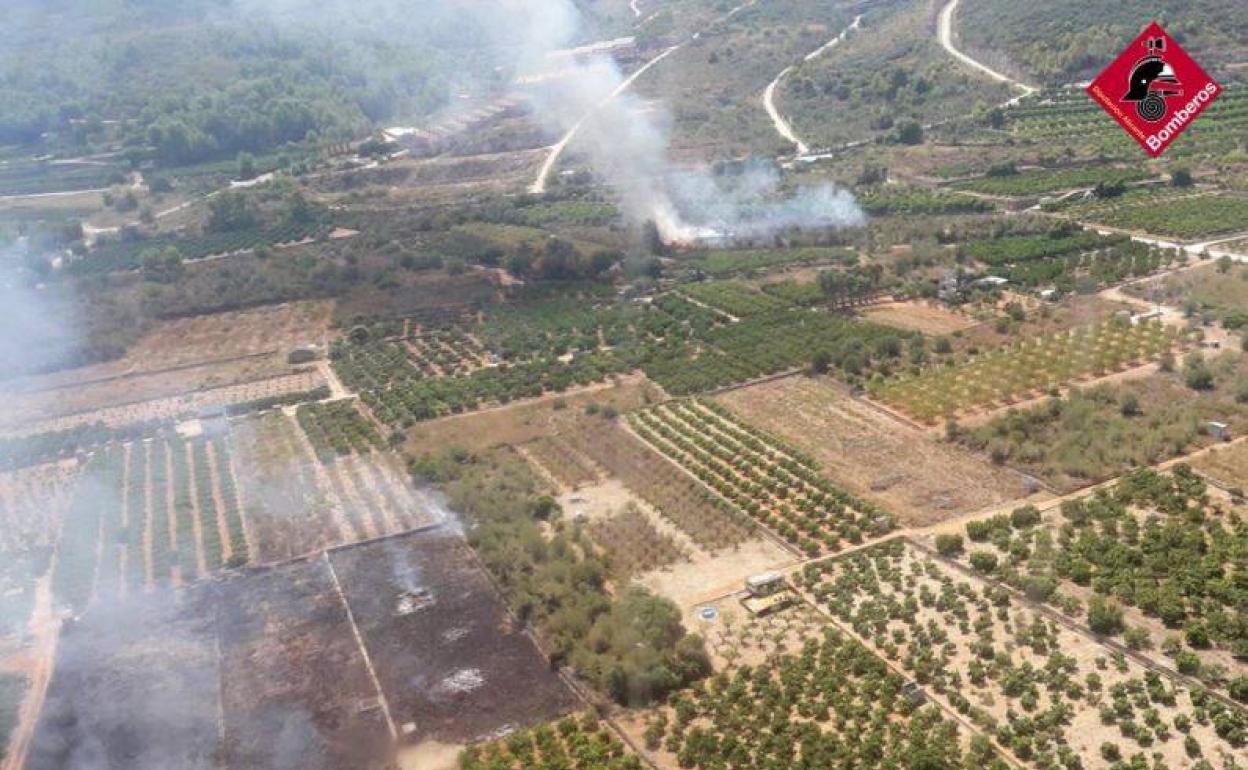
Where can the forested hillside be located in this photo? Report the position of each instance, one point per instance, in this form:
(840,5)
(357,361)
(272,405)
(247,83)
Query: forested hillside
(1061,41)
(196,80)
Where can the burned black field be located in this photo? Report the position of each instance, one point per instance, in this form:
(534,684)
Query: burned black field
(266,670)
(453,666)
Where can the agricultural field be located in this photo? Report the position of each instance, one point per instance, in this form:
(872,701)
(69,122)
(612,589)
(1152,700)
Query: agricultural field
(735,299)
(1190,218)
(632,545)
(31,502)
(1227,466)
(127,411)
(735,637)
(579,741)
(722,263)
(1039,181)
(708,520)
(556,457)
(774,483)
(771,343)
(1153,560)
(832,699)
(1095,433)
(1027,369)
(445,352)
(149,514)
(297,504)
(338,428)
(1048,693)
(892,201)
(37,178)
(874,455)
(1066,117)
(923,317)
(1069,261)
(116,256)
(203,340)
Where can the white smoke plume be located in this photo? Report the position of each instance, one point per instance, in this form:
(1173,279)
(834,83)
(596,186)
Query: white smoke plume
(588,100)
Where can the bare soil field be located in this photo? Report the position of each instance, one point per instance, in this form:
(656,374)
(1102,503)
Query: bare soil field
(923,317)
(132,406)
(1226,465)
(178,357)
(874,455)
(734,637)
(454,666)
(205,339)
(521,422)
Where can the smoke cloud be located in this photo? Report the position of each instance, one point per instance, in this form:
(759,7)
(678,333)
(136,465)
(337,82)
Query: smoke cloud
(587,99)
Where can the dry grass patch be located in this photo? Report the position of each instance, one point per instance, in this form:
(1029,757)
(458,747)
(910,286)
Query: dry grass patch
(874,455)
(924,317)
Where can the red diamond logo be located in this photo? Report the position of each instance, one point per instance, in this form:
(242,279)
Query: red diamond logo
(1154,90)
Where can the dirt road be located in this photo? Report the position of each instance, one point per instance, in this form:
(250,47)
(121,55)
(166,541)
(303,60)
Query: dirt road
(944,34)
(782,126)
(556,151)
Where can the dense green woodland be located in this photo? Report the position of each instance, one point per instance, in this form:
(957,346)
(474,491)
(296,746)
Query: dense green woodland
(193,80)
(1063,41)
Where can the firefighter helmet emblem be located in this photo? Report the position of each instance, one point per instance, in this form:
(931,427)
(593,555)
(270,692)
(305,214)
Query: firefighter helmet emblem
(1152,82)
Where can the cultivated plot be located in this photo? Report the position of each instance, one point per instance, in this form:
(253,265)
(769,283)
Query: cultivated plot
(1027,369)
(873,454)
(775,484)
(1045,691)
(298,504)
(149,514)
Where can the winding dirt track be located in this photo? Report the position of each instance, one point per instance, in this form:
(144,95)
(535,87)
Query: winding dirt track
(556,151)
(782,126)
(944,34)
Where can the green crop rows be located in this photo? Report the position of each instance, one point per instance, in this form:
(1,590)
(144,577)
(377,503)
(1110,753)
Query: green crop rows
(1039,181)
(141,515)
(1027,368)
(125,255)
(337,428)
(736,299)
(1082,260)
(775,484)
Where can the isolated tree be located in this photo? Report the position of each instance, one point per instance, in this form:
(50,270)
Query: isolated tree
(162,265)
(246,165)
(909,132)
(1104,617)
